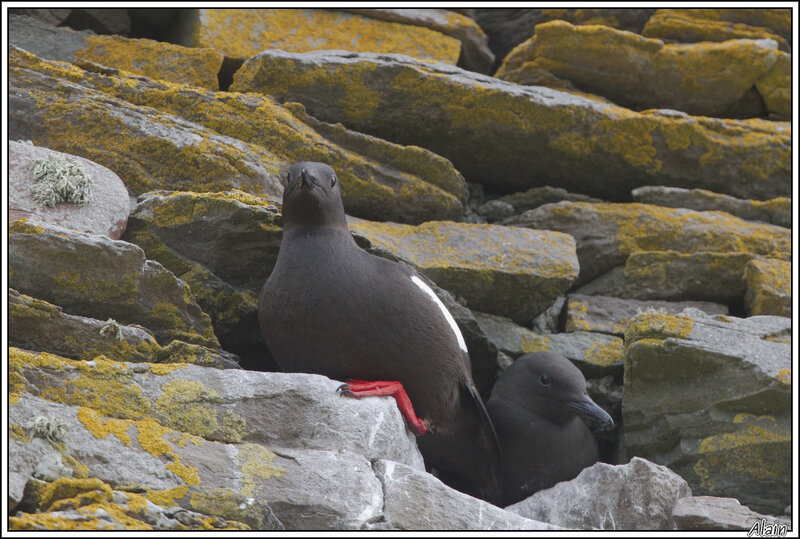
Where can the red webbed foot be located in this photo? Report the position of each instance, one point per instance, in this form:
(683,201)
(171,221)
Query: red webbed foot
(371,388)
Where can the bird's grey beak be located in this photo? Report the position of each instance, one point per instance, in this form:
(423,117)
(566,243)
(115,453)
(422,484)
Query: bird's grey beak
(589,409)
(304,179)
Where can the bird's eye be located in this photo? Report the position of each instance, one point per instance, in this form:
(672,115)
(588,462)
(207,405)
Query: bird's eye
(545,379)
(333,180)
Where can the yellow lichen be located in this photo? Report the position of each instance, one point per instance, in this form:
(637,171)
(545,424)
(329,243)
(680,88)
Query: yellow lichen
(534,343)
(21,226)
(652,325)
(100,428)
(256,463)
(166,497)
(68,487)
(184,405)
(785,377)
(605,354)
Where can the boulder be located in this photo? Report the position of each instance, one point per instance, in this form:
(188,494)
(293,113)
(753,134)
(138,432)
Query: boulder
(475,52)
(53,17)
(711,513)
(37,325)
(501,270)
(153,59)
(380,180)
(777,211)
(769,287)
(777,20)
(94,276)
(414,500)
(710,397)
(595,354)
(672,25)
(639,495)
(612,315)
(106,213)
(674,276)
(539,196)
(775,88)
(703,79)
(242,33)
(606,234)
(100,20)
(487,127)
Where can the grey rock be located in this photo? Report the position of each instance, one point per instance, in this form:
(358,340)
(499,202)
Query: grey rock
(106,213)
(501,270)
(45,39)
(550,320)
(52,17)
(595,354)
(102,21)
(711,513)
(495,210)
(414,500)
(727,431)
(94,276)
(606,234)
(539,196)
(639,495)
(475,52)
(577,140)
(777,211)
(674,276)
(769,287)
(26,457)
(611,315)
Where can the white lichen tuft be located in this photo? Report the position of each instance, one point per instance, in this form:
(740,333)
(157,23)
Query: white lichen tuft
(58,180)
(110,326)
(52,429)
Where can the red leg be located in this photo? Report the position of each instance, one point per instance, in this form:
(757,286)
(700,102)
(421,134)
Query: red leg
(370,388)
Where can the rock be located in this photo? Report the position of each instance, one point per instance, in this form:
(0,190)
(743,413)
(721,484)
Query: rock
(154,59)
(777,211)
(96,506)
(727,431)
(550,320)
(52,17)
(41,326)
(539,196)
(612,315)
(670,25)
(777,20)
(673,276)
(711,513)
(769,287)
(508,27)
(93,276)
(146,148)
(102,21)
(704,79)
(418,501)
(774,88)
(595,354)
(575,137)
(106,213)
(379,180)
(639,495)
(500,270)
(475,52)
(242,33)
(495,210)
(606,234)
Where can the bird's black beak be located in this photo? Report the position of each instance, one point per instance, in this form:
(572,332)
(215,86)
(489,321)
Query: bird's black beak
(306,180)
(589,409)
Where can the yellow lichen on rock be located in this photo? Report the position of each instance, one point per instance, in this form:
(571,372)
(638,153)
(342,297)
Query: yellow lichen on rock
(605,354)
(67,487)
(166,497)
(241,33)
(256,463)
(769,287)
(652,325)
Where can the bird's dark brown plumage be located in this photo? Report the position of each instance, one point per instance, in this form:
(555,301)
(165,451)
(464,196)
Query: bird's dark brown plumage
(536,406)
(331,308)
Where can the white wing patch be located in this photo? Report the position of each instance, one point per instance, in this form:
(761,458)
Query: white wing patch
(450,320)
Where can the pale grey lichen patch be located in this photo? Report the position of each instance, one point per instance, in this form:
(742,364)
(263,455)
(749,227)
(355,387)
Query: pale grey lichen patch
(58,180)
(111,327)
(52,429)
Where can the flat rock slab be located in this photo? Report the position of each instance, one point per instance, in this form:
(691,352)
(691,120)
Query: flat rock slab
(242,33)
(711,513)
(639,495)
(507,271)
(595,354)
(612,315)
(703,79)
(106,213)
(94,276)
(674,276)
(605,234)
(487,127)
(683,26)
(154,59)
(727,430)
(777,211)
(769,287)
(414,500)
(475,52)
(380,180)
